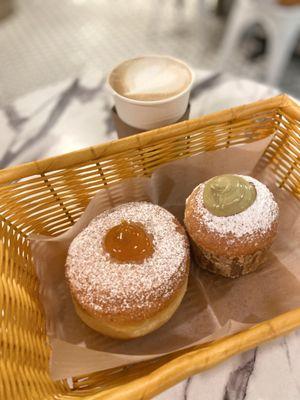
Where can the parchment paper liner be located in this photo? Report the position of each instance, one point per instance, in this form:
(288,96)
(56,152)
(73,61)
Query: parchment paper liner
(213,307)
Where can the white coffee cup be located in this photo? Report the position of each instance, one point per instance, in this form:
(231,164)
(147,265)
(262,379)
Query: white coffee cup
(168,100)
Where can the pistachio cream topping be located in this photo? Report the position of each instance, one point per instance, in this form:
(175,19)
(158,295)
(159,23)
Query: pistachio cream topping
(226,195)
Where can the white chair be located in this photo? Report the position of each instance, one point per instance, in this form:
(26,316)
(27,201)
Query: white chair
(281,24)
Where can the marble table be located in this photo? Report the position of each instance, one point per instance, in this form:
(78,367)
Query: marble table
(76,113)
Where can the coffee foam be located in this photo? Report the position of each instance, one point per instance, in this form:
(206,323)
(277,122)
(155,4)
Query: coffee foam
(150,78)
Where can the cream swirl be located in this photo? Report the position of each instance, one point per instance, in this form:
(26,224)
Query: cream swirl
(226,195)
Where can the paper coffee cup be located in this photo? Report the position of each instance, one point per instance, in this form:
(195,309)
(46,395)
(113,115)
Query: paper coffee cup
(151,91)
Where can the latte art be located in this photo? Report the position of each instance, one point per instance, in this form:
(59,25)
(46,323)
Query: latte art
(227,195)
(150,78)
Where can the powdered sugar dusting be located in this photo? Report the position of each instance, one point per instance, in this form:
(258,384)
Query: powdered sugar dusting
(258,218)
(102,285)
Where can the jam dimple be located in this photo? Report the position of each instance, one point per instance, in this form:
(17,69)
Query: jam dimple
(128,242)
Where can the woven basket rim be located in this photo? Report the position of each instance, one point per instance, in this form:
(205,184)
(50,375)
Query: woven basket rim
(203,357)
(117,146)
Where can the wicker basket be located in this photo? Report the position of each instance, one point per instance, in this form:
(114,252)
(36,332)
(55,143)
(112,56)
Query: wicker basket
(48,196)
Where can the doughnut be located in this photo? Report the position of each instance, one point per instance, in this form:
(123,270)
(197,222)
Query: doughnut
(232,221)
(127,271)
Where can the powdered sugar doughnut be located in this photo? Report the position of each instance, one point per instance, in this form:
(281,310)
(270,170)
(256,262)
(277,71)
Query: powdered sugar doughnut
(128,299)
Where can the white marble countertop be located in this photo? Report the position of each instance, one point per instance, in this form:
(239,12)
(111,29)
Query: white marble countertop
(75,114)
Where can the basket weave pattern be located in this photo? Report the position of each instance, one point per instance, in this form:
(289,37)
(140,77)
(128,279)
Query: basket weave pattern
(48,196)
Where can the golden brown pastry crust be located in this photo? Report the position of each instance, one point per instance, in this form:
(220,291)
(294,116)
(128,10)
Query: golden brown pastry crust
(227,245)
(132,329)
